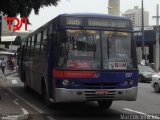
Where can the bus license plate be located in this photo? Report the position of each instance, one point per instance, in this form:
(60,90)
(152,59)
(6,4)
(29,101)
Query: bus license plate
(101,92)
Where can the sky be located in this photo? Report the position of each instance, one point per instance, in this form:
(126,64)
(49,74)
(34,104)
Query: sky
(88,6)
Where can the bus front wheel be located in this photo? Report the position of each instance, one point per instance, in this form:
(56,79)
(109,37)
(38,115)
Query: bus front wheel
(104,104)
(45,97)
(156,88)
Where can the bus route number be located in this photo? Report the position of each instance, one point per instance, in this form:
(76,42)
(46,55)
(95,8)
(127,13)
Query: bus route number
(73,21)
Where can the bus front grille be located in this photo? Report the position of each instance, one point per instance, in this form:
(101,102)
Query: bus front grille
(92,95)
(100,85)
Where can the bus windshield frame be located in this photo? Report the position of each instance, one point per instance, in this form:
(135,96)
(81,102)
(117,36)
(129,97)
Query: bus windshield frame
(82,49)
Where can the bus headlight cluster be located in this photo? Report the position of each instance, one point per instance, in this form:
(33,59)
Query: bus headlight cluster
(128,82)
(125,83)
(131,82)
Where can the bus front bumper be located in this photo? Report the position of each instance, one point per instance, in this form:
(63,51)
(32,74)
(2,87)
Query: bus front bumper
(80,95)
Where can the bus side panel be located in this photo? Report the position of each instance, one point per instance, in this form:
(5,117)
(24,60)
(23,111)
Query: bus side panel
(38,73)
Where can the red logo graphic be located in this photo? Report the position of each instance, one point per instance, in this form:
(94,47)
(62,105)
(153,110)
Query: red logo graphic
(18,24)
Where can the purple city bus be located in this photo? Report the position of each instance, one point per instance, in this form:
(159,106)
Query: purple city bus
(81,57)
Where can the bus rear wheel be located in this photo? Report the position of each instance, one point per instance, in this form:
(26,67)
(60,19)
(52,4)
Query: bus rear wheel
(26,87)
(104,104)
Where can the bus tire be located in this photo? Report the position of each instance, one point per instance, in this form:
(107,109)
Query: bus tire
(45,96)
(104,104)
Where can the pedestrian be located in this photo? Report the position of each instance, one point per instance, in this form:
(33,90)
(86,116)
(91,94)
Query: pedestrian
(10,64)
(3,65)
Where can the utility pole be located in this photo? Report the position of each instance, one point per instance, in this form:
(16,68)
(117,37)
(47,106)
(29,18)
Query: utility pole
(142,29)
(0,27)
(157,39)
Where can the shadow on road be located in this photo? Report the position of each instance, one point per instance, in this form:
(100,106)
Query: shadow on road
(68,111)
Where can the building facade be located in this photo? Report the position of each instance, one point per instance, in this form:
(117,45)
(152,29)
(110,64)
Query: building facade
(135,15)
(151,36)
(5,25)
(9,36)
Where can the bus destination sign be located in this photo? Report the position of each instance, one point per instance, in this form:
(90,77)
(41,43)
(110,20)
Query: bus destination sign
(108,23)
(94,22)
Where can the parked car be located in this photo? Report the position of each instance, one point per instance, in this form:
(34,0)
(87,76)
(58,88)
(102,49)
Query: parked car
(145,73)
(156,83)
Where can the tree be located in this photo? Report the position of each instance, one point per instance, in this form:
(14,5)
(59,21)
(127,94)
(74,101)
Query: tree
(12,8)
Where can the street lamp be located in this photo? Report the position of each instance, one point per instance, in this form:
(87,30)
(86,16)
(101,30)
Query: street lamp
(142,29)
(0,27)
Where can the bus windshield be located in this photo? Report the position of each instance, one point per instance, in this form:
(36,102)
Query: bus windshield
(96,50)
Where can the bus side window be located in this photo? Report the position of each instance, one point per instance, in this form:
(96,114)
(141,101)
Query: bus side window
(35,42)
(32,47)
(29,46)
(41,43)
(26,47)
(44,43)
(37,45)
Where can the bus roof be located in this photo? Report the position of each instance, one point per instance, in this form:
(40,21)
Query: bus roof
(94,15)
(85,15)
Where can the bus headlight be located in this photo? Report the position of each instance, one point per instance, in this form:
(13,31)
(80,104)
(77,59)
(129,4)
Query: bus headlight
(125,82)
(131,82)
(128,82)
(65,82)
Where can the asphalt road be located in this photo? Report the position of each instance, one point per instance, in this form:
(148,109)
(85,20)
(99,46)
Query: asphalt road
(16,103)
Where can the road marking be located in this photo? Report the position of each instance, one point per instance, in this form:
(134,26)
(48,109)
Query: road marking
(10,77)
(14,82)
(24,116)
(50,118)
(25,111)
(149,116)
(9,117)
(25,101)
(15,102)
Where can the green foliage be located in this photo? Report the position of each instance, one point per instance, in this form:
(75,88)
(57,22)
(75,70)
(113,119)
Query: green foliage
(12,8)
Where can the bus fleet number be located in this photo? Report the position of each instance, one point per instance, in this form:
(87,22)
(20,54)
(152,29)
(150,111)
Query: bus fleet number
(128,75)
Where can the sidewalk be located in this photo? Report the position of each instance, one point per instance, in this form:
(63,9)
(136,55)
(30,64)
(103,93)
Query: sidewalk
(7,72)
